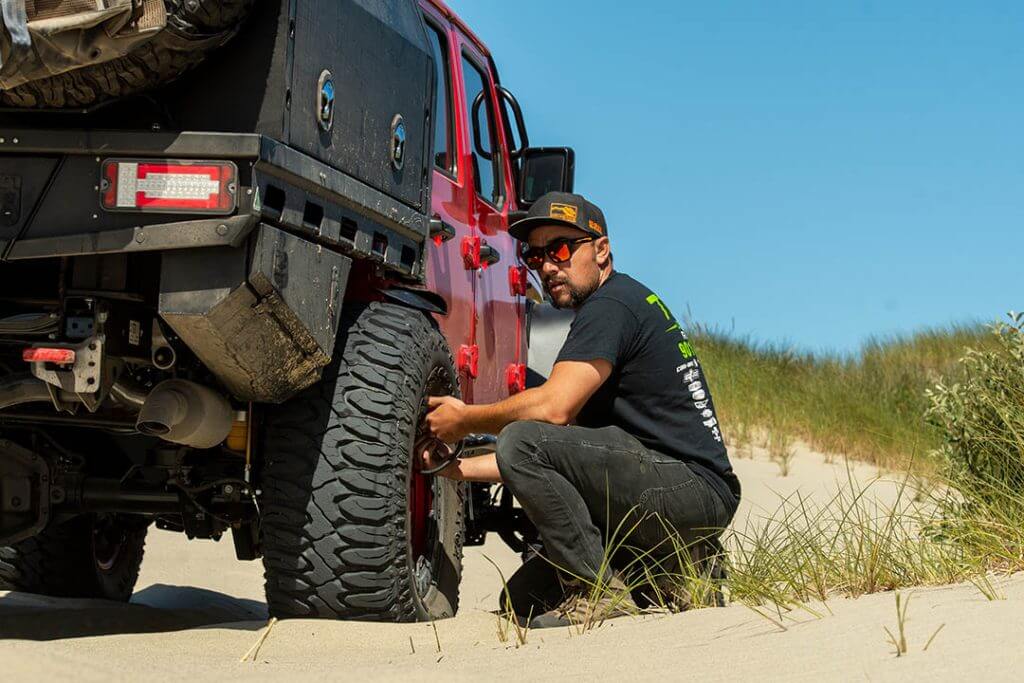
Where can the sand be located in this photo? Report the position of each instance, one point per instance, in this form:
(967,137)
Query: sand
(197,611)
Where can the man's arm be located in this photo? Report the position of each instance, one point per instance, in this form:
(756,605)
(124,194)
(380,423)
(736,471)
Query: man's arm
(479,468)
(557,401)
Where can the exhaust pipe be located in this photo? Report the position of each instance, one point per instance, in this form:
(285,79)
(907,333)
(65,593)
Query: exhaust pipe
(186,413)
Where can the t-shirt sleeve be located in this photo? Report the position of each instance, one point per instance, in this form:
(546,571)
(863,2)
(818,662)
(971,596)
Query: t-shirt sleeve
(603,328)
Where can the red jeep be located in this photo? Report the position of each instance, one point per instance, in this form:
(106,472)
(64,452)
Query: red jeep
(240,244)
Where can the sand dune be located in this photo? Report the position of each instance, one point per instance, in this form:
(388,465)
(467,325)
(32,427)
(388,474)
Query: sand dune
(197,611)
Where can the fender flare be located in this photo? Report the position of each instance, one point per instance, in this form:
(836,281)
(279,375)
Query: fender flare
(418,299)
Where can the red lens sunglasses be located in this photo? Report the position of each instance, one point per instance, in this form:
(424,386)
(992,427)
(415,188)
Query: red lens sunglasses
(558,251)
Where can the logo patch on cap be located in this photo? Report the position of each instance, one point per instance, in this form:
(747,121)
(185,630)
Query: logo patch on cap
(596,227)
(563,212)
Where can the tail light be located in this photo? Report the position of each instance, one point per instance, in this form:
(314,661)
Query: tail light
(169,186)
(49,355)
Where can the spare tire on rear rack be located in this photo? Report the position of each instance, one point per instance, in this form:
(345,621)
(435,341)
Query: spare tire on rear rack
(178,36)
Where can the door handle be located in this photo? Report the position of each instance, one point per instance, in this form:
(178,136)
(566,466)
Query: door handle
(489,255)
(440,231)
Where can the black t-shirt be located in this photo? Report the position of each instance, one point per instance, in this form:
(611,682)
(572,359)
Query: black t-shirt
(656,391)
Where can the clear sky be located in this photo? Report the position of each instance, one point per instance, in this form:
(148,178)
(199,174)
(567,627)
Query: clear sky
(811,173)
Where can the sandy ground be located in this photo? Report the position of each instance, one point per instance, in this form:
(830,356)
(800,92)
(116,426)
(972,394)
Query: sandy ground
(197,611)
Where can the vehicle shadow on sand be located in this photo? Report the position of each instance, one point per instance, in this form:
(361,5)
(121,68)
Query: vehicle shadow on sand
(156,609)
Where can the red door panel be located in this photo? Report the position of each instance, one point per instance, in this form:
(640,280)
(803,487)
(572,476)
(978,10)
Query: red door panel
(498,331)
(452,193)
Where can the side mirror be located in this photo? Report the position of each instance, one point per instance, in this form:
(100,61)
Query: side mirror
(545,169)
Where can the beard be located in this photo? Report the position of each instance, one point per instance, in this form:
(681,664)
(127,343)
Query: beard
(577,294)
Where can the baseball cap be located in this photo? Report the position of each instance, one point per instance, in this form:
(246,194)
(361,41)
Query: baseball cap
(561,208)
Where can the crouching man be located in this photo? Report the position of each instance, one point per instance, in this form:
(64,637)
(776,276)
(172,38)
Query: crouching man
(622,435)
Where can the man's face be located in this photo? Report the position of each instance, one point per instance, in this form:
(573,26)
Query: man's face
(570,283)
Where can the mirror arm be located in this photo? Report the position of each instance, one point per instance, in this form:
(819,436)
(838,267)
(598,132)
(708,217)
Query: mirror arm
(524,139)
(477,101)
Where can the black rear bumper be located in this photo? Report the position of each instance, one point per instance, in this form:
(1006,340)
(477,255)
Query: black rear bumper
(50,202)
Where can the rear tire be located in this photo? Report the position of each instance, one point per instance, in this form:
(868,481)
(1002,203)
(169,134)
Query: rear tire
(92,556)
(346,529)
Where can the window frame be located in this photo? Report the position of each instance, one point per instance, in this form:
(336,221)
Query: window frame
(445,41)
(497,156)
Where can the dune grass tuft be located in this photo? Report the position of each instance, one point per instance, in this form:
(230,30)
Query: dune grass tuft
(870,406)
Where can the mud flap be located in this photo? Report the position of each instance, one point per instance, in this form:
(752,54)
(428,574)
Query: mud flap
(263,318)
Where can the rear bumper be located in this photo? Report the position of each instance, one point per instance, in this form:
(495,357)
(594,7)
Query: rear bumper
(49,199)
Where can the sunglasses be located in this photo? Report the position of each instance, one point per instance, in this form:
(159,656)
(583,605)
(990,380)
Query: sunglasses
(558,251)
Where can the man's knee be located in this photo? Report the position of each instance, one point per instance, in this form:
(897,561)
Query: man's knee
(517,443)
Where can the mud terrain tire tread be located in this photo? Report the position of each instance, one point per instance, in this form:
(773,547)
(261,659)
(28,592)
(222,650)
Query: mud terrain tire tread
(335,487)
(59,562)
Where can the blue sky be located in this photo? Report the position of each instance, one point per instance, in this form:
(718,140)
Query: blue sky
(810,173)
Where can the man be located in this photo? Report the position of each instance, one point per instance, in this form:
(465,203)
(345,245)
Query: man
(645,445)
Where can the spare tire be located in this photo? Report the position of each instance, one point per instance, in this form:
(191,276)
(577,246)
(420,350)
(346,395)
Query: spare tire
(203,17)
(194,28)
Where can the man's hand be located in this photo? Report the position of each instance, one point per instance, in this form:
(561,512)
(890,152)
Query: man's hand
(446,418)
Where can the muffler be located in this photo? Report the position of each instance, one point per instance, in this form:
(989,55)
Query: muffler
(186,413)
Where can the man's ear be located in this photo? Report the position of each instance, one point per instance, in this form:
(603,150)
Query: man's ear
(603,251)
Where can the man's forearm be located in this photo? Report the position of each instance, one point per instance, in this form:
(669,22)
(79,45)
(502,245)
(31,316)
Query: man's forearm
(532,404)
(482,468)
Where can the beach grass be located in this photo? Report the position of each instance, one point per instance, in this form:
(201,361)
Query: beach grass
(869,406)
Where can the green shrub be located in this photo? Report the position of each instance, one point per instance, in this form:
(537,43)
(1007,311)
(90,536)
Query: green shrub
(981,417)
(981,420)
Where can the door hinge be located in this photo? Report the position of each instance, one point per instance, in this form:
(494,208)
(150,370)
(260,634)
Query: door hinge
(469,359)
(515,378)
(471,252)
(517,280)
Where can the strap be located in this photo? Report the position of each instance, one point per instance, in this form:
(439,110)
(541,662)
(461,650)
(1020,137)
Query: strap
(16,20)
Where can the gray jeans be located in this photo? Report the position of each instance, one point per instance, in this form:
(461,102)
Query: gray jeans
(577,485)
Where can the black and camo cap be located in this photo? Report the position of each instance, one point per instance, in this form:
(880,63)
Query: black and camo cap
(561,208)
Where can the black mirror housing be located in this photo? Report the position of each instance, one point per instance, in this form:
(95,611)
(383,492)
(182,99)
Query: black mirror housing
(543,170)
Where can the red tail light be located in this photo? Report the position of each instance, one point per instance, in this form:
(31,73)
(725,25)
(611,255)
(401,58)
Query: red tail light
(43,355)
(169,186)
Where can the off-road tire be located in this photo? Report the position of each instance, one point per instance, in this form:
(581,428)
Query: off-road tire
(336,527)
(62,562)
(156,62)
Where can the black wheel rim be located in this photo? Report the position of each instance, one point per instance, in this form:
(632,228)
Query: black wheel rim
(108,541)
(424,496)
